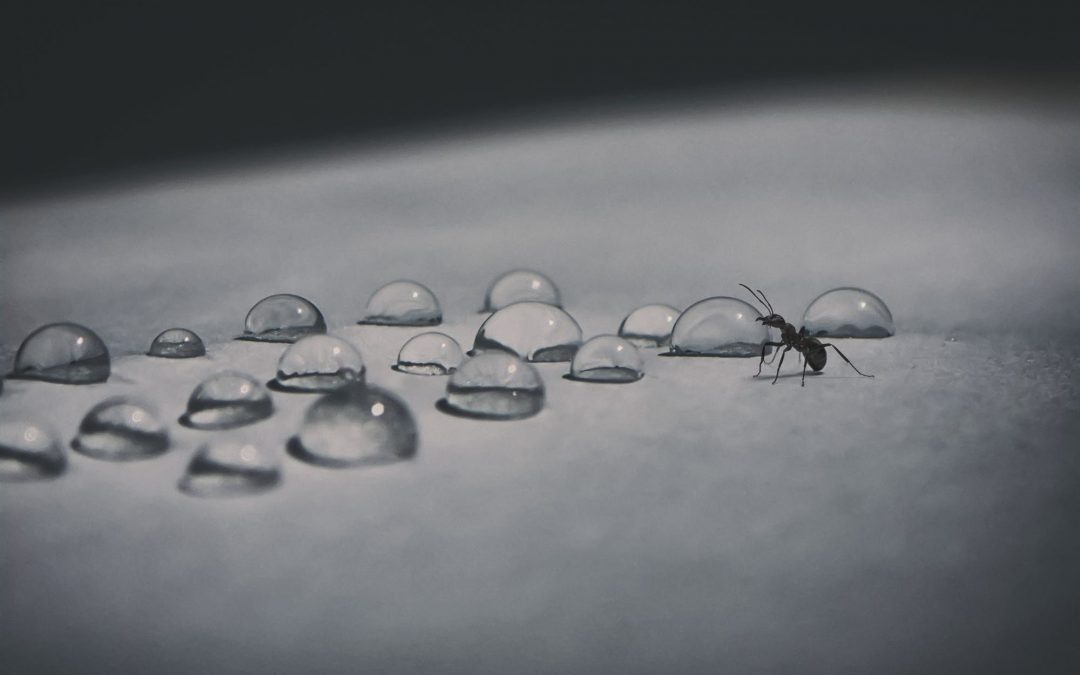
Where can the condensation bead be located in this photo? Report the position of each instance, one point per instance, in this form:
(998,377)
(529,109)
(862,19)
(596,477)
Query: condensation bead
(121,429)
(430,354)
(521,286)
(225,400)
(177,343)
(229,467)
(495,385)
(607,358)
(848,312)
(532,330)
(650,325)
(282,318)
(319,363)
(29,451)
(356,426)
(720,326)
(403,303)
(66,353)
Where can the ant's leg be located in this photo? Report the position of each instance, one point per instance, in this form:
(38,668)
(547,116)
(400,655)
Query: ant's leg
(765,346)
(805,362)
(845,359)
(782,355)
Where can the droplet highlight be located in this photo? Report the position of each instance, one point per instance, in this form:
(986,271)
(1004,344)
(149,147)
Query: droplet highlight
(319,363)
(403,303)
(531,330)
(496,386)
(66,353)
(229,467)
(177,343)
(29,451)
(225,400)
(848,312)
(356,426)
(430,354)
(521,286)
(720,326)
(282,318)
(121,429)
(649,325)
(607,358)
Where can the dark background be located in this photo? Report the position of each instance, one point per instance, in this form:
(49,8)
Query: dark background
(91,92)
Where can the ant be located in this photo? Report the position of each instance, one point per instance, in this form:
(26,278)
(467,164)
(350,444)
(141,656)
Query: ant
(811,349)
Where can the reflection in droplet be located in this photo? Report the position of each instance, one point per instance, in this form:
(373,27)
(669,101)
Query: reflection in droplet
(282,318)
(719,326)
(319,363)
(356,426)
(227,467)
(607,358)
(225,400)
(532,330)
(62,352)
(650,325)
(495,385)
(29,451)
(403,303)
(521,286)
(849,312)
(430,354)
(177,343)
(121,429)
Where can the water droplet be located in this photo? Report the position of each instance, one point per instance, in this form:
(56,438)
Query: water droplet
(429,354)
(177,343)
(495,385)
(319,363)
(532,330)
(282,318)
(521,286)
(227,467)
(403,303)
(650,325)
(719,326)
(29,451)
(356,426)
(62,352)
(849,312)
(121,429)
(225,400)
(607,358)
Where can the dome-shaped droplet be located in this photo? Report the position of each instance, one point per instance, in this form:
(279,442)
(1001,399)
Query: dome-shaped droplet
(225,400)
(121,429)
(495,385)
(849,312)
(319,363)
(403,303)
(650,325)
(607,358)
(62,352)
(532,330)
(521,286)
(29,451)
(177,343)
(228,467)
(430,354)
(282,318)
(719,326)
(356,426)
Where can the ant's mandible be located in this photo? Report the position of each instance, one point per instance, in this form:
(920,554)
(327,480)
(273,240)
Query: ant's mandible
(811,349)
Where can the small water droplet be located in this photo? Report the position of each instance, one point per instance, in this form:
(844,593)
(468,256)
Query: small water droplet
(532,330)
(121,429)
(521,286)
(607,358)
(66,353)
(430,354)
(719,326)
(177,343)
(319,363)
(229,467)
(650,325)
(356,426)
(495,385)
(282,318)
(225,400)
(403,303)
(848,312)
(29,451)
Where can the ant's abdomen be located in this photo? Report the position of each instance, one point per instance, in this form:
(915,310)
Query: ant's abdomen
(816,356)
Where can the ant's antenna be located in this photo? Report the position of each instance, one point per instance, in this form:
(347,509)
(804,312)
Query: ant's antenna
(771,310)
(764,303)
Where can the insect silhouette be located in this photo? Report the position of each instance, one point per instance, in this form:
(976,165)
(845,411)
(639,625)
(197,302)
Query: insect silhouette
(811,349)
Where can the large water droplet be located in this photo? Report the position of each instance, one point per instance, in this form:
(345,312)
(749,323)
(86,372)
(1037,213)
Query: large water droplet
(282,318)
(403,303)
(29,451)
(495,385)
(227,467)
(319,363)
(356,426)
(532,330)
(62,352)
(607,358)
(719,326)
(650,325)
(177,343)
(430,354)
(849,312)
(121,429)
(521,286)
(225,400)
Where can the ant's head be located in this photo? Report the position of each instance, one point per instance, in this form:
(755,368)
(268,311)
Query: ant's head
(772,318)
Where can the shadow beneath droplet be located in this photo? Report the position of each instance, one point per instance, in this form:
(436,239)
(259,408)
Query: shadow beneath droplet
(443,406)
(274,385)
(584,380)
